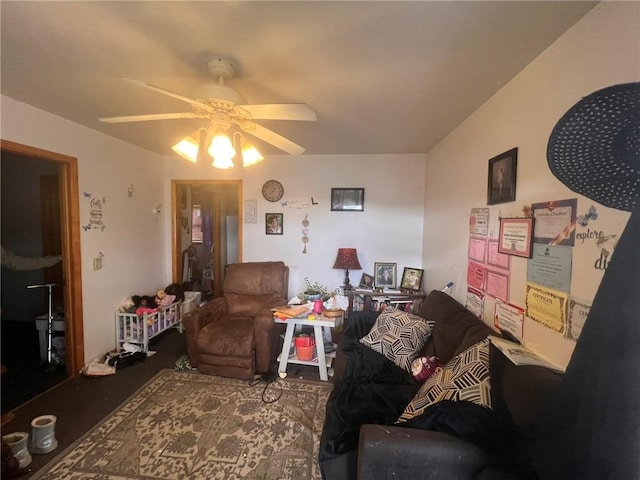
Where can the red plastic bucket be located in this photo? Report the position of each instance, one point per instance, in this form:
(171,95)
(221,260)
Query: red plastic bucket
(304,347)
(305,353)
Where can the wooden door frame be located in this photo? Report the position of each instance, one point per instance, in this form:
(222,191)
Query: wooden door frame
(176,216)
(71,258)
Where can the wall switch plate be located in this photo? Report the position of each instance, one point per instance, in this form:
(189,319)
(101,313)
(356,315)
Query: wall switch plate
(97,263)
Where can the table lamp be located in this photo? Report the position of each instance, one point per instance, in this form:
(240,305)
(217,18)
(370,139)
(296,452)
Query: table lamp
(348,259)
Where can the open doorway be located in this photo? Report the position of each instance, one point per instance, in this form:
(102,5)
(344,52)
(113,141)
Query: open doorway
(55,232)
(207,232)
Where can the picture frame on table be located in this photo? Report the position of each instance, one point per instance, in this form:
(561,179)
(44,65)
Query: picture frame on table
(274,223)
(347,199)
(502,177)
(366,281)
(516,236)
(411,279)
(385,275)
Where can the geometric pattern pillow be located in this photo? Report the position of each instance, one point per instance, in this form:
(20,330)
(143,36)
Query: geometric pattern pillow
(464,377)
(398,335)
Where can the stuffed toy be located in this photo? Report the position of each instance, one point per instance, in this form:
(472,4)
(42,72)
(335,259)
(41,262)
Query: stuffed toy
(166,301)
(175,289)
(127,306)
(144,301)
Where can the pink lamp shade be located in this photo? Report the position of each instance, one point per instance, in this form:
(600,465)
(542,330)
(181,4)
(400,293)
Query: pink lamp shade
(348,259)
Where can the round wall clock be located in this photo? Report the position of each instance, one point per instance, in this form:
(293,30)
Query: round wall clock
(272,190)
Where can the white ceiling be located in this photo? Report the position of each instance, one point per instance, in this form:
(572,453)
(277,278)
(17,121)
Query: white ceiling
(383,77)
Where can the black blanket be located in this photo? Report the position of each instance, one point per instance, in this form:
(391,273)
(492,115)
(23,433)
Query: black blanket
(373,390)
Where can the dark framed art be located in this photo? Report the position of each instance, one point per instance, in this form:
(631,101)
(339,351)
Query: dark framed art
(516,236)
(274,223)
(347,199)
(411,279)
(502,177)
(385,275)
(366,281)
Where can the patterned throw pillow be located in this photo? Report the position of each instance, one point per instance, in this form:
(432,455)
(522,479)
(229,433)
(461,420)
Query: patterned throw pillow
(465,377)
(398,335)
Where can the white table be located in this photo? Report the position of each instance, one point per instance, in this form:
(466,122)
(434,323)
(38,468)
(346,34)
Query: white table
(321,359)
(42,322)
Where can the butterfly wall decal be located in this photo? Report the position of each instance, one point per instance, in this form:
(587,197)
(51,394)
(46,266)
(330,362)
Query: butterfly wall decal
(592,214)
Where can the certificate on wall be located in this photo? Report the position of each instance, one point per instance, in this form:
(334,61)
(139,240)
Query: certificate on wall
(476,275)
(577,315)
(516,236)
(479,221)
(509,317)
(477,248)
(546,306)
(497,284)
(550,266)
(555,222)
(475,302)
(495,258)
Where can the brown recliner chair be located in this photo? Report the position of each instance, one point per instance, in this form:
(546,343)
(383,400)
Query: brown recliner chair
(235,335)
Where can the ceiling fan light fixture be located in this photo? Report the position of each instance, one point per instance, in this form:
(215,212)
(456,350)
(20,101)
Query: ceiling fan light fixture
(222,163)
(250,155)
(221,146)
(187,148)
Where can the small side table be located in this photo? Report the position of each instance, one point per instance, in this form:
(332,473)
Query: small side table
(321,359)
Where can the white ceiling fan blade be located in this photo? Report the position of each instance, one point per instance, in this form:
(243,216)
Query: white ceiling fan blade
(281,111)
(169,93)
(271,137)
(152,116)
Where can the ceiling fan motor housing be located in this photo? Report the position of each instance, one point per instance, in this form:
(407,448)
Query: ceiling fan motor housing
(219,96)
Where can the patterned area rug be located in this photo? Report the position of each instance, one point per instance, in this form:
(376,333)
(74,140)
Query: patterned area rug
(185,425)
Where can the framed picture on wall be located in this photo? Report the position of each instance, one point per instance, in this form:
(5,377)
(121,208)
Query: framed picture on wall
(347,199)
(516,236)
(274,223)
(385,275)
(502,177)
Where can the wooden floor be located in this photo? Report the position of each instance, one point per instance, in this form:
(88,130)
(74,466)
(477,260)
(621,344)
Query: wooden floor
(79,402)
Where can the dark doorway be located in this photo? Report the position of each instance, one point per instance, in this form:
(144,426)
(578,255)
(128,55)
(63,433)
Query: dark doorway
(206,232)
(40,267)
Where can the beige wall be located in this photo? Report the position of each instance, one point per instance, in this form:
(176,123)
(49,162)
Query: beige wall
(133,240)
(602,49)
(389,229)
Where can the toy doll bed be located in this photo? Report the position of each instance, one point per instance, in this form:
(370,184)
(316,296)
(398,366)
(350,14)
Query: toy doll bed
(140,329)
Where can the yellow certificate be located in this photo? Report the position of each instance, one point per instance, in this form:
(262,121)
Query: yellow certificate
(546,306)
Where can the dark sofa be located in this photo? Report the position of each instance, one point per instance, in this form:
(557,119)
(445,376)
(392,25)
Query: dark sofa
(450,440)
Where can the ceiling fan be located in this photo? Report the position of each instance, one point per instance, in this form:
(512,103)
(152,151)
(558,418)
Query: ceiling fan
(228,115)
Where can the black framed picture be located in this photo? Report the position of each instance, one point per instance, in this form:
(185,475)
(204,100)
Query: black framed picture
(502,177)
(366,281)
(411,279)
(347,199)
(385,275)
(274,223)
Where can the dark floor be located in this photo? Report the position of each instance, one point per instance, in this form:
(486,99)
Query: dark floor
(26,375)
(79,402)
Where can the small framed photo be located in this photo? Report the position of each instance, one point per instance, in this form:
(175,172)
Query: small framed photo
(502,177)
(251,211)
(347,199)
(516,236)
(274,223)
(366,281)
(411,279)
(385,275)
